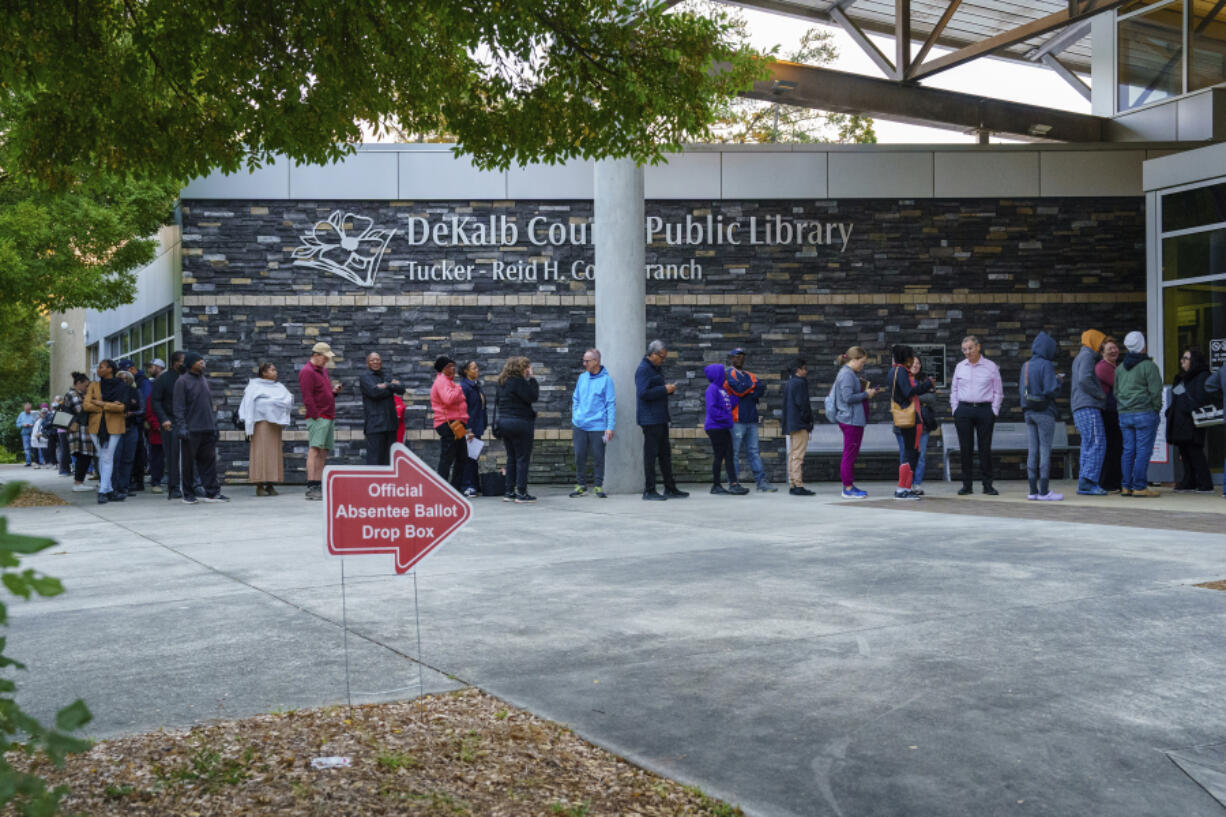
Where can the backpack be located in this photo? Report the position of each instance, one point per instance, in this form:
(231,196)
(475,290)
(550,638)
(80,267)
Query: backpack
(831,405)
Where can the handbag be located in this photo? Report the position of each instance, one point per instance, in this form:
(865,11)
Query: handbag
(903,417)
(1207,416)
(493,483)
(63,420)
(457,429)
(1032,403)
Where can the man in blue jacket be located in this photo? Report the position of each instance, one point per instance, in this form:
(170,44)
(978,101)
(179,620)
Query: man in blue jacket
(651,413)
(593,410)
(747,388)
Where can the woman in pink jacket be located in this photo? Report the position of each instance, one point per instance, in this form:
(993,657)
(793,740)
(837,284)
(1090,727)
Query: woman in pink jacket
(450,421)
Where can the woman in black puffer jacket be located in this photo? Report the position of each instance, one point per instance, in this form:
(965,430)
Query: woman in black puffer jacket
(1188,394)
(517,391)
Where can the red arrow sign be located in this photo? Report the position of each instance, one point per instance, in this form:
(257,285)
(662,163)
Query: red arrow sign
(404,508)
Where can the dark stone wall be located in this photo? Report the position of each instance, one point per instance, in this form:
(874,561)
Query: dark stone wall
(918,272)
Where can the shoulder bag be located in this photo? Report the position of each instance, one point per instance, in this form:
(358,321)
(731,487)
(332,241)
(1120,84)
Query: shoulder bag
(1032,403)
(903,417)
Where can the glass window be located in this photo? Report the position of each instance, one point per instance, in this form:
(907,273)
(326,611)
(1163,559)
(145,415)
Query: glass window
(1207,43)
(1150,49)
(1194,255)
(1195,315)
(1194,208)
(159,326)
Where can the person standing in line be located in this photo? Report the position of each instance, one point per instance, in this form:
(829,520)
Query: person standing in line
(196,425)
(651,414)
(1104,370)
(474,397)
(1088,399)
(928,402)
(62,440)
(796,423)
(38,438)
(81,442)
(450,420)
(140,453)
(104,401)
(319,400)
(1138,392)
(161,399)
(593,413)
(379,409)
(265,411)
(1215,391)
(748,389)
(975,396)
(1188,394)
(25,424)
(53,448)
(1038,387)
(517,391)
(905,392)
(851,396)
(125,457)
(720,418)
(156,458)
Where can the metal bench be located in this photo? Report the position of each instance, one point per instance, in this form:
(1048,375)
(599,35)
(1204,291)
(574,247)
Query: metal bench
(828,439)
(1011,437)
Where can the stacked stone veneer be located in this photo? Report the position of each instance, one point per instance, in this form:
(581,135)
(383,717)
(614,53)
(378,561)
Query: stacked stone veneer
(927,271)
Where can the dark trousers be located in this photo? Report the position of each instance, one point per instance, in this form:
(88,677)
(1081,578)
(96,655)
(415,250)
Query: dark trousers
(451,455)
(519,455)
(198,457)
(913,452)
(65,454)
(140,460)
(1196,474)
(81,468)
(53,449)
(171,448)
(125,456)
(379,447)
(721,444)
(975,423)
(656,448)
(157,464)
(1110,478)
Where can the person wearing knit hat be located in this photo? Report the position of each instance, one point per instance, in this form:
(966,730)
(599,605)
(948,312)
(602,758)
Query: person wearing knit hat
(196,426)
(1138,394)
(1088,398)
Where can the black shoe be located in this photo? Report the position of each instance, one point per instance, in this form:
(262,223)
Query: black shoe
(508,497)
(136,488)
(738,490)
(652,495)
(190,499)
(965,490)
(117,497)
(521,499)
(917,491)
(990,491)
(174,493)
(676,494)
(719,489)
(102,500)
(800,490)
(218,498)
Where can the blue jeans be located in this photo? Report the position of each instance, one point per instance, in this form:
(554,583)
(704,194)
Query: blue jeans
(918,477)
(1040,428)
(1139,428)
(25,443)
(749,433)
(125,455)
(106,461)
(1089,422)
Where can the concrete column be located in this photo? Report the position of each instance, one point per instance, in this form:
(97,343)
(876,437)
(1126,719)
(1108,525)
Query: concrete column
(621,309)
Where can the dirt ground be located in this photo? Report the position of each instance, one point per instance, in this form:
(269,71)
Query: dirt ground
(465,753)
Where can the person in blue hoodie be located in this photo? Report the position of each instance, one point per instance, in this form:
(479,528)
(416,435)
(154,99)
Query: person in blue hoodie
(593,411)
(1038,388)
(748,389)
(721,417)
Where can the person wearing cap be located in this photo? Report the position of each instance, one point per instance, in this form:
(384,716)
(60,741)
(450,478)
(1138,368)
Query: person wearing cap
(975,396)
(161,400)
(319,400)
(1088,399)
(379,409)
(196,426)
(1138,394)
(152,428)
(38,436)
(747,388)
(450,409)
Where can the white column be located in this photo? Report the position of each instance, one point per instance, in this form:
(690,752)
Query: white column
(621,309)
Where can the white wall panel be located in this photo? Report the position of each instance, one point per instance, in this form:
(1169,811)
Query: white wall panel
(985,175)
(443,175)
(360,176)
(269,182)
(573,180)
(881,175)
(1091,173)
(1185,168)
(781,175)
(684,176)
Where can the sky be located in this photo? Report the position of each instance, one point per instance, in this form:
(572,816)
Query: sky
(1003,79)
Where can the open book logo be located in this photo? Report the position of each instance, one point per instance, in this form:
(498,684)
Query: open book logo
(345,244)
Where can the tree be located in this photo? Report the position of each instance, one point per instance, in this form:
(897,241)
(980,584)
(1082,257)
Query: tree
(180,87)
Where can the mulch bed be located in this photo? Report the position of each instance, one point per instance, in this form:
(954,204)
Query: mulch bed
(31,497)
(465,753)
(1218,585)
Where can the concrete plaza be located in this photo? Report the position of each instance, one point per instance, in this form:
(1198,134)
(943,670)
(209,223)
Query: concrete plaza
(797,656)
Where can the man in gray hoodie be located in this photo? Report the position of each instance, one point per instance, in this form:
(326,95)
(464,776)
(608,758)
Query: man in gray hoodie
(1088,398)
(196,427)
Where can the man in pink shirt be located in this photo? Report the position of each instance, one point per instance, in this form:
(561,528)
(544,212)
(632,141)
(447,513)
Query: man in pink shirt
(975,395)
(319,399)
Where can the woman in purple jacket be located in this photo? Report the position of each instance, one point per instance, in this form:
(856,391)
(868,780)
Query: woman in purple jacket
(721,415)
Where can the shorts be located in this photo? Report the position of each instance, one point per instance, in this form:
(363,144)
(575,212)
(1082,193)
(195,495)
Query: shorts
(319,433)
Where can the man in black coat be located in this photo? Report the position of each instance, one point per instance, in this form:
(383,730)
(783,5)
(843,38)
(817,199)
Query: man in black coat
(380,410)
(162,398)
(196,425)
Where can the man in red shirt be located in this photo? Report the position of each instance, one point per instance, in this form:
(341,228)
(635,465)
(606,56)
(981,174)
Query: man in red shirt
(319,398)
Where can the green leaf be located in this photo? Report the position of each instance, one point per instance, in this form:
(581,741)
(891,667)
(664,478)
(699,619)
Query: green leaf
(46,585)
(73,716)
(16,584)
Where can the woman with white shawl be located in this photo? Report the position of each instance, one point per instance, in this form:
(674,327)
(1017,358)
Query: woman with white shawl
(265,412)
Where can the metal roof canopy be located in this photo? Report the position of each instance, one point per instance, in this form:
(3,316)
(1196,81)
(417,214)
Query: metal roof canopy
(1049,32)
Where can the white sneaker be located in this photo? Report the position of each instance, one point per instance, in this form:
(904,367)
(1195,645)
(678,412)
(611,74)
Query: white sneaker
(82,488)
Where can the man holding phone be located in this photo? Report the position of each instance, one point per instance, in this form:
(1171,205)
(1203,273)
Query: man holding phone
(652,416)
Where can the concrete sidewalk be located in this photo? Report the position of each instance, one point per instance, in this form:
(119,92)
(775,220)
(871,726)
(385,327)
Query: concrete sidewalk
(798,656)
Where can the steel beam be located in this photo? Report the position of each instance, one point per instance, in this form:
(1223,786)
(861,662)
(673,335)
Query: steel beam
(829,90)
(861,39)
(932,37)
(1066,74)
(1005,39)
(1059,42)
(902,38)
